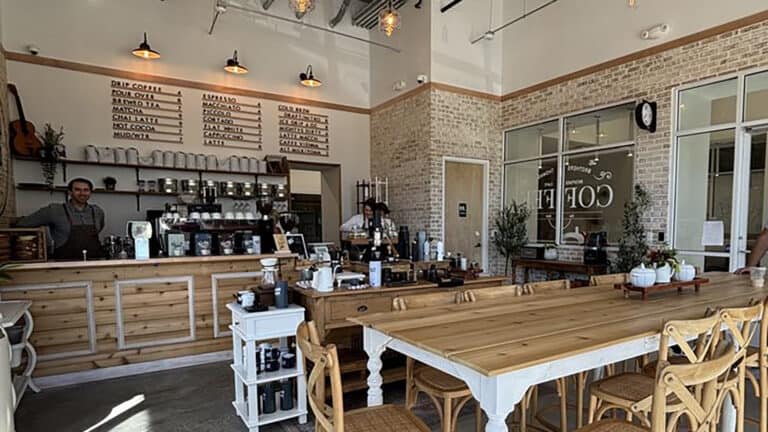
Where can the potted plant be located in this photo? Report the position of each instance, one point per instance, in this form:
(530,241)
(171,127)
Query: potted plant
(511,232)
(632,245)
(665,262)
(51,152)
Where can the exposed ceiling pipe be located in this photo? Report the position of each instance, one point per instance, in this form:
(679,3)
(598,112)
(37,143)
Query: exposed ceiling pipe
(265,4)
(490,33)
(450,4)
(340,14)
(312,26)
(219,6)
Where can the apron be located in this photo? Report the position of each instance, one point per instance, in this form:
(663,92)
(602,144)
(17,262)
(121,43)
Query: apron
(80,237)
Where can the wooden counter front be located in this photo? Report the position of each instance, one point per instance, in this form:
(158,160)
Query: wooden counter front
(100,314)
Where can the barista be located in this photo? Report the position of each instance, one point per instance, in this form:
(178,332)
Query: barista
(359,221)
(74,225)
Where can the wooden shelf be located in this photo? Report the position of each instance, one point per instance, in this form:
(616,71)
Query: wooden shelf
(45,188)
(152,167)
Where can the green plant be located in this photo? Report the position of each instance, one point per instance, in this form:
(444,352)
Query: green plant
(51,151)
(511,231)
(632,245)
(664,255)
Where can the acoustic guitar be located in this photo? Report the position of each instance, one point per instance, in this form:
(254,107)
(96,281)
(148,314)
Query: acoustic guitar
(24,142)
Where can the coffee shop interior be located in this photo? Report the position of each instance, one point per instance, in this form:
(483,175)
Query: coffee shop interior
(453,215)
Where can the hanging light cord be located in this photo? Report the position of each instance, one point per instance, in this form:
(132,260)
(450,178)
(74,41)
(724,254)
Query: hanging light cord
(312,26)
(520,18)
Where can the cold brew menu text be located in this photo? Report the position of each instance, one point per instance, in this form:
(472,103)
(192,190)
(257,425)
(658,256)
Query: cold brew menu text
(146,112)
(229,121)
(302,131)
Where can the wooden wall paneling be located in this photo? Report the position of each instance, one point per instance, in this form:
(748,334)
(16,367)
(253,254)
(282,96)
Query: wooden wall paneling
(61,302)
(138,330)
(221,294)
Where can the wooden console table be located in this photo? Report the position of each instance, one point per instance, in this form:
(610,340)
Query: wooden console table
(561,267)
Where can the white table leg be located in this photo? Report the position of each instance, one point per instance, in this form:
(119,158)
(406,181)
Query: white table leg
(32,359)
(498,396)
(728,422)
(374,344)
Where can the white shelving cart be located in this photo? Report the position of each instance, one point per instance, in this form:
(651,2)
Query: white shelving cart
(248,329)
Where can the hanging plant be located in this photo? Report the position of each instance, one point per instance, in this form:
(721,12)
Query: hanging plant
(51,152)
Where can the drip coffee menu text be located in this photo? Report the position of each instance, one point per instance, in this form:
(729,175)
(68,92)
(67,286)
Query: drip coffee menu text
(146,112)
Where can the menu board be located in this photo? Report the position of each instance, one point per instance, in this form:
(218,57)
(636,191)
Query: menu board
(146,112)
(230,122)
(302,131)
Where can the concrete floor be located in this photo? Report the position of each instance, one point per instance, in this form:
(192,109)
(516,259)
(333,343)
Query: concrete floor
(193,399)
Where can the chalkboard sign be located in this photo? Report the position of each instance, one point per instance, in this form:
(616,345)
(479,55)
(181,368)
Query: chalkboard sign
(296,244)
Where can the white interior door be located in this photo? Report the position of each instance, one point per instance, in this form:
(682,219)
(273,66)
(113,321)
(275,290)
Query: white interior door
(750,205)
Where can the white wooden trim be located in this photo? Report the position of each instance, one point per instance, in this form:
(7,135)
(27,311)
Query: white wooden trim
(131,369)
(217,333)
(119,311)
(486,201)
(88,285)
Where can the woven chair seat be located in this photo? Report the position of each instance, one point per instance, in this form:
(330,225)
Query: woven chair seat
(612,425)
(431,378)
(650,368)
(631,387)
(383,418)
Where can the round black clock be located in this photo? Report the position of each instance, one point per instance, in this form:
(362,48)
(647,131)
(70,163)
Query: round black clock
(645,115)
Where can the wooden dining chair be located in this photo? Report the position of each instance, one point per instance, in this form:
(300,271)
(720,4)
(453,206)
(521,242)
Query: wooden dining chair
(633,392)
(546,286)
(693,391)
(332,418)
(493,293)
(609,279)
(757,358)
(448,393)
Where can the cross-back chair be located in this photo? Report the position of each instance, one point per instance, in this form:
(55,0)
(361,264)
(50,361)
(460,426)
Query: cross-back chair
(493,293)
(332,418)
(448,393)
(609,279)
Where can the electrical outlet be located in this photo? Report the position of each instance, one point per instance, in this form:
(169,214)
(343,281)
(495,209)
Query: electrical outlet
(661,236)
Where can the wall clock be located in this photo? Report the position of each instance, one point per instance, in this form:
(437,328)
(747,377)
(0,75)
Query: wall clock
(645,115)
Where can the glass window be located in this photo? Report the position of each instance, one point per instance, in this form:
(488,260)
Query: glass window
(532,141)
(608,126)
(756,106)
(535,183)
(597,184)
(707,105)
(703,194)
(706,263)
(757,184)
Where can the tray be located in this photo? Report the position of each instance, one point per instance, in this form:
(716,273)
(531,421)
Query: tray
(674,285)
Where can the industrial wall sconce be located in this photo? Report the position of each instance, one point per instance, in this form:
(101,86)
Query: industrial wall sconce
(308,78)
(144,51)
(234,66)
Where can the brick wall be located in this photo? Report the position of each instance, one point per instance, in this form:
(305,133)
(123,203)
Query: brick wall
(7,195)
(651,78)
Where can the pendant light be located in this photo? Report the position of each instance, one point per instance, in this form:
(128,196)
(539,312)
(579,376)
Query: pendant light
(144,51)
(632,3)
(234,66)
(308,78)
(389,19)
(301,7)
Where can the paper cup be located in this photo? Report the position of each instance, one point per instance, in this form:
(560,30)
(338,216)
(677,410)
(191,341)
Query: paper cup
(757,276)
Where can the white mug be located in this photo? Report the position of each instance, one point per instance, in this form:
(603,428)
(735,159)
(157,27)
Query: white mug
(157,157)
(120,156)
(205,216)
(180,160)
(106,154)
(322,279)
(91,154)
(229,215)
(211,163)
(132,156)
(168,159)
(194,215)
(246,298)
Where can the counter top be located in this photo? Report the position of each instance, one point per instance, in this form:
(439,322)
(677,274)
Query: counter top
(53,265)
(420,285)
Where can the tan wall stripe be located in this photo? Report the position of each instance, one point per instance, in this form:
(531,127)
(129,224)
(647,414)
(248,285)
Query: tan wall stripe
(119,73)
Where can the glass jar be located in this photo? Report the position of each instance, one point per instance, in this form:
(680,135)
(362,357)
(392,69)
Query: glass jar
(269,272)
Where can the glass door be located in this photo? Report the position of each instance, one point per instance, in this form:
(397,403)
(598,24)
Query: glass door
(750,203)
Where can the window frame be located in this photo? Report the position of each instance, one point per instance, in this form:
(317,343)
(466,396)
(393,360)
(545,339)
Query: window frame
(560,155)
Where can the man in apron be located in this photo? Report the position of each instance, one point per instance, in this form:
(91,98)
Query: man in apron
(74,226)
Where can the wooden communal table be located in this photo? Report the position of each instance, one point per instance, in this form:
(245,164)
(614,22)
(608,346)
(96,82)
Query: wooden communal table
(561,267)
(501,348)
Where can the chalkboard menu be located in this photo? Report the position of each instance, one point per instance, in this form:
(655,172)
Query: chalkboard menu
(146,112)
(230,122)
(302,131)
